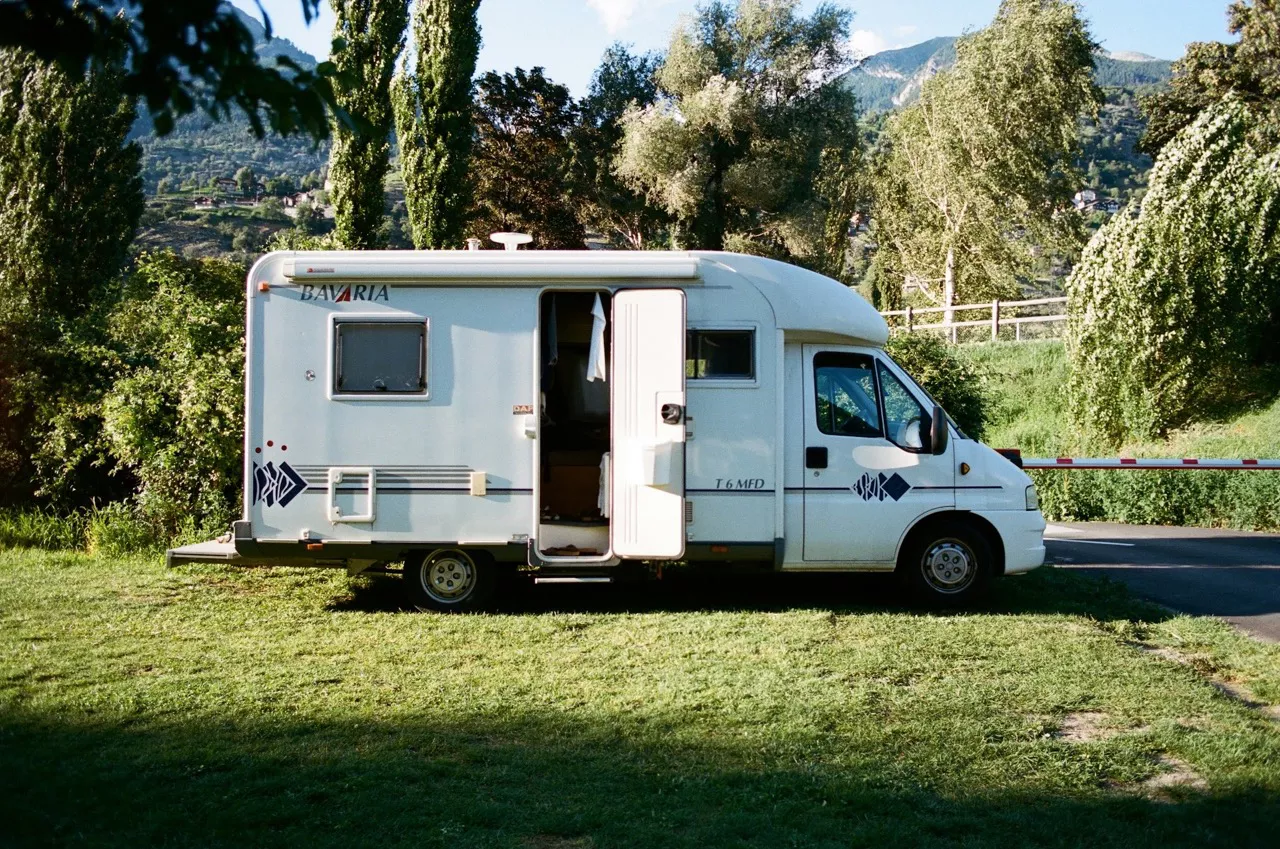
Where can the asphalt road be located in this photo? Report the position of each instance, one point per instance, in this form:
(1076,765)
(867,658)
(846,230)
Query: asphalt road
(1230,574)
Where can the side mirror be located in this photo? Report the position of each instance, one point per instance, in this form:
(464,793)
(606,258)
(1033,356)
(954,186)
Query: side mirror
(939,433)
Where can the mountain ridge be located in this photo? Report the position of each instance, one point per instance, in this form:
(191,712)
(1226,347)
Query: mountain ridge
(892,79)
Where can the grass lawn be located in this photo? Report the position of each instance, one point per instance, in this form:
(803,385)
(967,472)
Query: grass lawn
(208,707)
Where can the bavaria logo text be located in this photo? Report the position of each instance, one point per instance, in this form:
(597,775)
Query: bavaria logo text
(339,294)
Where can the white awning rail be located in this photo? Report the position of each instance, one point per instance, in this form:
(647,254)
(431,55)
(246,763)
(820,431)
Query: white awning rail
(491,266)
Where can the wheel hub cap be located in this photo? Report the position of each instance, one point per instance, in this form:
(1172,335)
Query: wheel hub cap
(948,566)
(448,578)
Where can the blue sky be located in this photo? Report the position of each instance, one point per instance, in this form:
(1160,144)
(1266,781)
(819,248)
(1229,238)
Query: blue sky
(567,37)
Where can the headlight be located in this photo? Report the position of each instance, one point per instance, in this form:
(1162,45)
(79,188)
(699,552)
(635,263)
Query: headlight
(1033,498)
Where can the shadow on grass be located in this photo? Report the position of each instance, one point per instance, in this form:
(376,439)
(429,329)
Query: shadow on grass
(1046,590)
(542,781)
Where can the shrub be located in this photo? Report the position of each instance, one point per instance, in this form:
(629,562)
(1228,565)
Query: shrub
(955,382)
(174,415)
(1244,500)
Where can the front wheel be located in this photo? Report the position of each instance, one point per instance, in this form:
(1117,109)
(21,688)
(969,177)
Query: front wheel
(449,580)
(946,564)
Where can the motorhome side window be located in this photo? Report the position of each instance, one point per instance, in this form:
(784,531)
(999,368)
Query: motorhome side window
(380,357)
(846,391)
(720,355)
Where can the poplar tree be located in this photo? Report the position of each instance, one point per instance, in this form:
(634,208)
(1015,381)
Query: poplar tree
(433,120)
(368,36)
(72,199)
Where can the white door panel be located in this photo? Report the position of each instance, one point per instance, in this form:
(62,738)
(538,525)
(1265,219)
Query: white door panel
(647,513)
(871,490)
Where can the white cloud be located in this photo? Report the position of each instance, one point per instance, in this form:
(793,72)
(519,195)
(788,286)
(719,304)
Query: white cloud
(614,14)
(864,43)
(906,30)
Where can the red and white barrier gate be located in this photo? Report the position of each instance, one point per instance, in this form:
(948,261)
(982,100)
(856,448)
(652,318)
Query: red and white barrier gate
(1124,463)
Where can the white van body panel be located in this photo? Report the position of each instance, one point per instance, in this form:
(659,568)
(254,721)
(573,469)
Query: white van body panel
(455,462)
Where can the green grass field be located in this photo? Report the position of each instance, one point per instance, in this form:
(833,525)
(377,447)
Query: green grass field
(206,707)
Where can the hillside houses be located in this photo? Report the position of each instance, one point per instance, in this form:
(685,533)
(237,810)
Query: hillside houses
(1087,200)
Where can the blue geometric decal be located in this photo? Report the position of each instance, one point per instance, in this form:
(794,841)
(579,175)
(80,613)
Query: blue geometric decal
(871,486)
(276,486)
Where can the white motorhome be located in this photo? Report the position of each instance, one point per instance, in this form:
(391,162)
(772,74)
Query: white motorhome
(565,414)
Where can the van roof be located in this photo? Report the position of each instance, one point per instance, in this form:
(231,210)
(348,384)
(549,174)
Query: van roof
(806,305)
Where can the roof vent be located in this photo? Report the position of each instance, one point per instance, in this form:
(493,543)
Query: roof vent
(511,241)
(473,244)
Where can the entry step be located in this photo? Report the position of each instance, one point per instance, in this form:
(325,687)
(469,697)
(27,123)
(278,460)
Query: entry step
(573,579)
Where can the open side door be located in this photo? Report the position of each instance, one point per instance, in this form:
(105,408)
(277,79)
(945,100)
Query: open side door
(648,400)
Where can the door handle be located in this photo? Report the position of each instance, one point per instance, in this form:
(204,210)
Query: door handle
(815,458)
(672,414)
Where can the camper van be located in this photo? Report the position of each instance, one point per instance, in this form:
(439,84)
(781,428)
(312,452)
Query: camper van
(576,416)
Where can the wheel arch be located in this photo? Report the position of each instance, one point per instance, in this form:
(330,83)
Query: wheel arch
(978,523)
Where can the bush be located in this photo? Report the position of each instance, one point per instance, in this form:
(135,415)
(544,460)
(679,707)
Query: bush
(1244,500)
(40,529)
(954,381)
(174,415)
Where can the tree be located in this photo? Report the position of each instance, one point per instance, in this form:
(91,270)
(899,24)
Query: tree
(521,161)
(245,180)
(1248,69)
(749,101)
(433,120)
(1169,307)
(607,204)
(980,168)
(281,186)
(370,35)
(72,199)
(196,54)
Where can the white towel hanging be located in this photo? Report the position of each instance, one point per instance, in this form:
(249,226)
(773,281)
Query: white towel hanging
(596,366)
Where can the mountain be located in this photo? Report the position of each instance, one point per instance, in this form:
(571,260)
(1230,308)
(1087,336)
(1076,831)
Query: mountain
(892,79)
(201,149)
(269,48)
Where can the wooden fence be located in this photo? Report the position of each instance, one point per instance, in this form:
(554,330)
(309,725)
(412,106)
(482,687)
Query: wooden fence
(997,320)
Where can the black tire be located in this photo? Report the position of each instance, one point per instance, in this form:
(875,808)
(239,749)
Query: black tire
(946,563)
(450,580)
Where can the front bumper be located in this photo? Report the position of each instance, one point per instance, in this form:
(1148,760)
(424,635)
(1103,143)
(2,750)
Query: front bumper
(1022,532)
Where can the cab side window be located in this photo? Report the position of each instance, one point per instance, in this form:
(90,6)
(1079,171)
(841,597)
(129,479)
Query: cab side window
(904,417)
(846,393)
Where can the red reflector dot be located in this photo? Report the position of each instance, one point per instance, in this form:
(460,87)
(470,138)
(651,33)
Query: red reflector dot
(270,443)
(284,447)
(257,451)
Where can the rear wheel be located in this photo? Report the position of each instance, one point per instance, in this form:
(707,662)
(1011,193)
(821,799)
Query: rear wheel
(946,563)
(449,580)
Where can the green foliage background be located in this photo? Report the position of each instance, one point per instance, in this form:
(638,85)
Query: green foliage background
(948,375)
